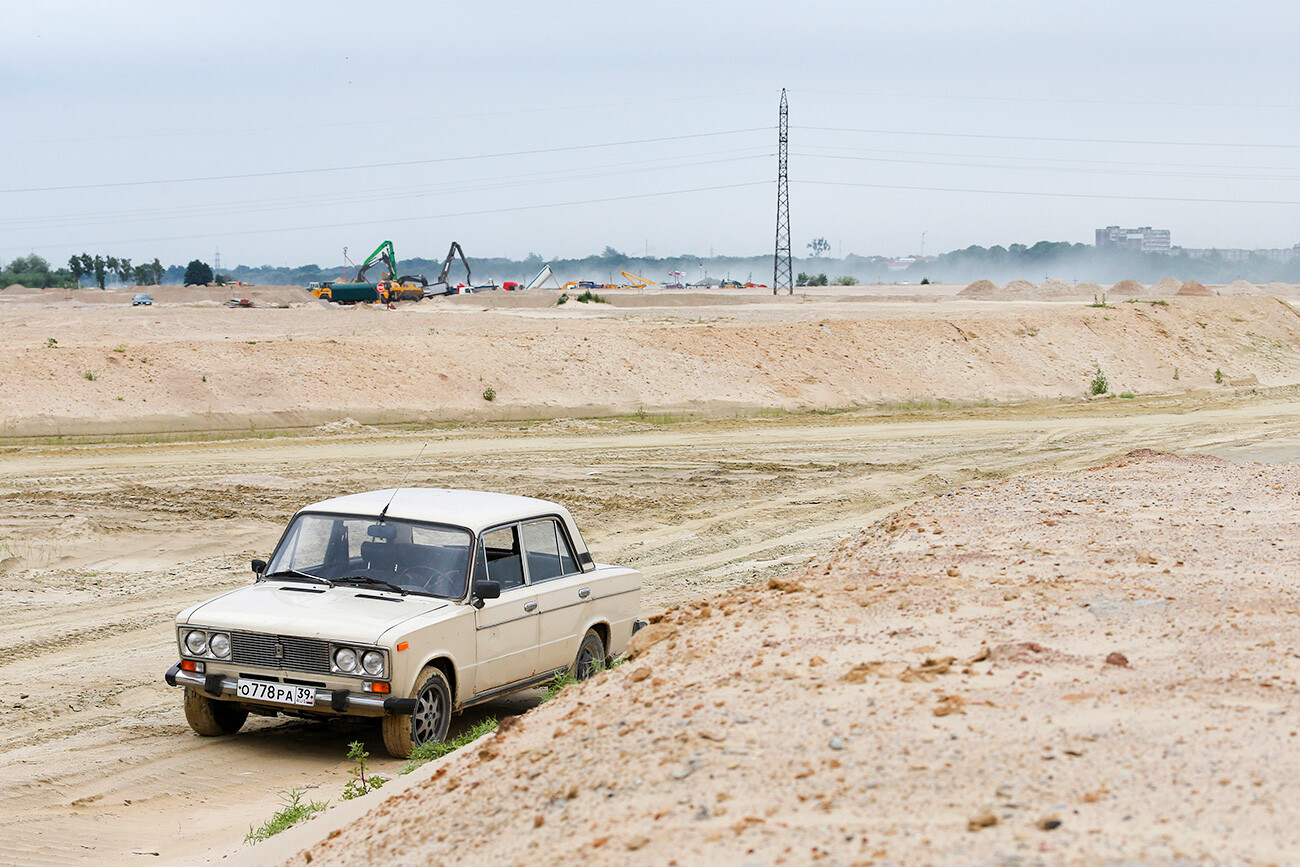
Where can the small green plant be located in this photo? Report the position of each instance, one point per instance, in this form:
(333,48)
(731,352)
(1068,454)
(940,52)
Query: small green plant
(1101,302)
(428,752)
(121,347)
(588,295)
(925,281)
(1218,376)
(564,296)
(846,280)
(1175,373)
(1098,384)
(489,394)
(119,398)
(50,343)
(1127,395)
(293,812)
(362,781)
(558,683)
(203,378)
(90,375)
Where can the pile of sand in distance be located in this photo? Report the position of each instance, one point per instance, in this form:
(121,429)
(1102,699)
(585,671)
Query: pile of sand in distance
(1241,287)
(1167,286)
(1191,287)
(1127,287)
(1020,289)
(979,289)
(1056,288)
(1089,289)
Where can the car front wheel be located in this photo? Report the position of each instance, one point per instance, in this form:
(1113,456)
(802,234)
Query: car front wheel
(212,718)
(428,723)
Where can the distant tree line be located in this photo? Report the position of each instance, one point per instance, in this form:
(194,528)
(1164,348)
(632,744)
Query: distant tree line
(1036,262)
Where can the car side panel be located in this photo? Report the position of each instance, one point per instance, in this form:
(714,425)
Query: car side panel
(506,639)
(447,636)
(614,599)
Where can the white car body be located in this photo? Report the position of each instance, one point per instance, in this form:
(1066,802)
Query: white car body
(327,589)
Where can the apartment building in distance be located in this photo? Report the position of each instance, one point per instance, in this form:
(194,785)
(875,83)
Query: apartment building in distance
(1146,239)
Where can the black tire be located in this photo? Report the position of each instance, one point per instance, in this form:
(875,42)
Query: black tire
(591,656)
(430,721)
(212,718)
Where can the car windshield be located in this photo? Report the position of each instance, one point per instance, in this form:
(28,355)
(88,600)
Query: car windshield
(393,554)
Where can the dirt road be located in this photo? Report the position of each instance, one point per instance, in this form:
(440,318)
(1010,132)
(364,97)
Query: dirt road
(100,546)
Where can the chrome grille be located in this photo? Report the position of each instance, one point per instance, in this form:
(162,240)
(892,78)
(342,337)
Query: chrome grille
(286,652)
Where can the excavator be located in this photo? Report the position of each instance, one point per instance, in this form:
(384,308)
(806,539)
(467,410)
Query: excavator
(391,288)
(441,287)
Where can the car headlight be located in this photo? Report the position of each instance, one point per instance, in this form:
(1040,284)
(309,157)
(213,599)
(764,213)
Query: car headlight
(196,642)
(346,659)
(373,662)
(219,645)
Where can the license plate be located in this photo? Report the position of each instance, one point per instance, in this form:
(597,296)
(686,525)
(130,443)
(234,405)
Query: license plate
(280,693)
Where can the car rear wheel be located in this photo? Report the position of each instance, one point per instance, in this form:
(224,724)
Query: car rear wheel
(429,721)
(211,718)
(591,656)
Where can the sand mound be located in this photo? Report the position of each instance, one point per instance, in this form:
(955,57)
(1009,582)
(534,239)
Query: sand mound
(1276,288)
(1167,286)
(76,526)
(979,289)
(1241,287)
(1127,287)
(1191,287)
(1089,289)
(1021,288)
(1055,288)
(864,706)
(345,425)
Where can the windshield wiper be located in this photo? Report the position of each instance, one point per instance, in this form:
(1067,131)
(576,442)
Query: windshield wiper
(298,573)
(376,582)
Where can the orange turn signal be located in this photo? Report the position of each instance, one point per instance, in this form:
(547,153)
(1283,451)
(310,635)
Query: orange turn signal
(376,687)
(402,645)
(189,665)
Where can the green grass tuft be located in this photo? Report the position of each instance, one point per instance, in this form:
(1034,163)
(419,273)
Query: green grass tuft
(428,752)
(293,812)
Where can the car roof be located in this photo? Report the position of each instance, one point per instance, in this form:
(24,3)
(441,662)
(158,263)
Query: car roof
(476,510)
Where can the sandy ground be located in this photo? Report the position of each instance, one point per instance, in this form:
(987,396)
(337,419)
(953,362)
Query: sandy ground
(1095,667)
(102,542)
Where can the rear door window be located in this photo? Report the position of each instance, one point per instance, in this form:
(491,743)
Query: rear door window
(547,551)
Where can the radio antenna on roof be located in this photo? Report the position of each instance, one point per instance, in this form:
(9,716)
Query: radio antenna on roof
(384,510)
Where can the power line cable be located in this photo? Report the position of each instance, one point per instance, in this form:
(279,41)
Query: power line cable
(1056,140)
(400,164)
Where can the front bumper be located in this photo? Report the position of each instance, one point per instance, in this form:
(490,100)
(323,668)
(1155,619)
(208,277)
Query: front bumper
(339,701)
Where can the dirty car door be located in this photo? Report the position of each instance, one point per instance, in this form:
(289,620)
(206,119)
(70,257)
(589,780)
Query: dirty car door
(506,628)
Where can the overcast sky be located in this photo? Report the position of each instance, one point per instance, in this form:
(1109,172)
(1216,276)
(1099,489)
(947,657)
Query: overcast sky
(280,132)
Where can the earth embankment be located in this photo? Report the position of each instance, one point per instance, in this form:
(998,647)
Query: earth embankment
(177,368)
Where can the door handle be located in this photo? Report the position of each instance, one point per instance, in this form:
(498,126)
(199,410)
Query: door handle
(530,606)
(584,592)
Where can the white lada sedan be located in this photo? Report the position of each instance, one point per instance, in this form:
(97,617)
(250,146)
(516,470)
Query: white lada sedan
(407,605)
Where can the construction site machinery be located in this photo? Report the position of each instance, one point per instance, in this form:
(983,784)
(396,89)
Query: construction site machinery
(635,281)
(441,286)
(390,288)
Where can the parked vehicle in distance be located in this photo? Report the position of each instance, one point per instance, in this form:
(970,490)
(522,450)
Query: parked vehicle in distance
(407,605)
(142,299)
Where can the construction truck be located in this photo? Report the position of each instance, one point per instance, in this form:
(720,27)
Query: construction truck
(359,289)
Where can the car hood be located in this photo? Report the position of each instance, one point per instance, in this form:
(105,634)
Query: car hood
(337,613)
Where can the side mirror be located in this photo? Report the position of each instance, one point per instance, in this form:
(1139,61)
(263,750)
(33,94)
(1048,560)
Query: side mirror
(259,566)
(485,590)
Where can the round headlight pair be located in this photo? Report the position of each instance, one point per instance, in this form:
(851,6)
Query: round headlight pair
(349,661)
(201,643)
